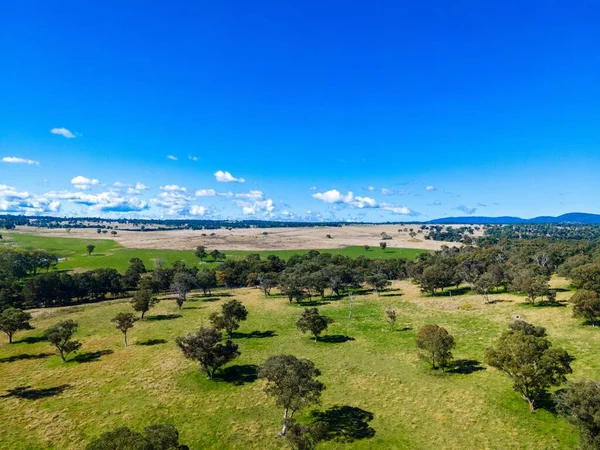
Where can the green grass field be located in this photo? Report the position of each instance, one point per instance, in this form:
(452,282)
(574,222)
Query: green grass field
(364,365)
(109,253)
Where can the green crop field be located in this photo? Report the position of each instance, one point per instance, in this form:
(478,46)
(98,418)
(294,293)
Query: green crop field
(392,399)
(109,253)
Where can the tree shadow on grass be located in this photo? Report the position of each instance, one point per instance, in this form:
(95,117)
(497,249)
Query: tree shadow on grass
(152,342)
(392,293)
(551,304)
(164,317)
(91,356)
(465,366)
(24,356)
(547,401)
(313,303)
(27,393)
(335,338)
(254,334)
(407,328)
(498,300)
(344,423)
(31,340)
(238,375)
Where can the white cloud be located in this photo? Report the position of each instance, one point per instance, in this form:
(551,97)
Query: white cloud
(430,188)
(226,177)
(206,193)
(141,186)
(120,185)
(313,188)
(14,201)
(192,158)
(334,196)
(81,182)
(109,201)
(172,158)
(175,202)
(63,132)
(251,195)
(385,191)
(364,202)
(197,210)
(15,160)
(397,209)
(266,207)
(371,188)
(173,187)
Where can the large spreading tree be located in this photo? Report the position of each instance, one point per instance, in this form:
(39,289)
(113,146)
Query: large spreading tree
(525,354)
(579,403)
(206,347)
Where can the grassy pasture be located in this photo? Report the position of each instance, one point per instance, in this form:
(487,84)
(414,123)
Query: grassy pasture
(367,368)
(109,253)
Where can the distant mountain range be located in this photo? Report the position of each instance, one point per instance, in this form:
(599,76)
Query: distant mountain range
(575,217)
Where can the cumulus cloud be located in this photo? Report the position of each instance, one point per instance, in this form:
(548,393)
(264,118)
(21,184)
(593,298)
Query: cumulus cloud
(364,202)
(371,188)
(109,201)
(173,187)
(15,160)
(466,209)
(172,158)
(141,186)
(81,182)
(226,177)
(265,207)
(206,193)
(22,202)
(120,185)
(63,132)
(197,210)
(174,201)
(398,209)
(334,196)
(251,195)
(430,188)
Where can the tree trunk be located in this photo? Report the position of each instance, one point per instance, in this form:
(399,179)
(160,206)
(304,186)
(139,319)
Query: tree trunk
(285,419)
(62,355)
(143,312)
(10,338)
(125,337)
(531,405)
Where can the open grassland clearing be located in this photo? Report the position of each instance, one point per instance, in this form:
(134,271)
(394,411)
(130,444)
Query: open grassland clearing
(368,369)
(110,253)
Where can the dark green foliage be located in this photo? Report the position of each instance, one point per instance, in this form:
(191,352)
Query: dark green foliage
(293,384)
(155,437)
(205,347)
(134,272)
(310,320)
(182,283)
(579,403)
(527,281)
(232,313)
(206,280)
(143,300)
(391,315)
(586,304)
(13,320)
(378,281)
(200,252)
(303,437)
(437,343)
(90,248)
(60,335)
(524,353)
(124,321)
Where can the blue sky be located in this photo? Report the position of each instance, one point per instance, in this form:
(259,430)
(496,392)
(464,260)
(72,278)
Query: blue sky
(372,111)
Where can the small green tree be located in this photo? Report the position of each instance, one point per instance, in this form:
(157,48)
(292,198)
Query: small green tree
(586,304)
(437,343)
(524,353)
(200,252)
(206,280)
(124,321)
(13,320)
(293,384)
(90,248)
(205,347)
(232,313)
(579,403)
(143,300)
(391,314)
(60,335)
(310,320)
(217,255)
(383,245)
